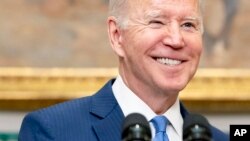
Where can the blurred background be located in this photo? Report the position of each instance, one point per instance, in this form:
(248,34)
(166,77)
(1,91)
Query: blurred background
(62,34)
(72,33)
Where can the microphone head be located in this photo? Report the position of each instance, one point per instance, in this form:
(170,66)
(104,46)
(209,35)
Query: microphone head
(136,128)
(196,128)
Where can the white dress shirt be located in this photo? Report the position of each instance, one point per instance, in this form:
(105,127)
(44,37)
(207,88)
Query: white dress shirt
(131,103)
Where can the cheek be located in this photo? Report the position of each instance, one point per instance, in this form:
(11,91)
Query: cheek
(194,44)
(136,45)
(199,48)
(195,54)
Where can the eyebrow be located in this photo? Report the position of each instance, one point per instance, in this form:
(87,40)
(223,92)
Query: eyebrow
(158,14)
(192,18)
(153,14)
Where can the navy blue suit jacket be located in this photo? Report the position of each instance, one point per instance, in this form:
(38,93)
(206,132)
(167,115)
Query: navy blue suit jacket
(94,118)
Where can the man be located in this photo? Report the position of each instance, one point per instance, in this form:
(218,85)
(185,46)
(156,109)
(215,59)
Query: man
(158,43)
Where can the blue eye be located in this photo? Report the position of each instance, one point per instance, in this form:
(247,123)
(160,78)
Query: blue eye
(189,24)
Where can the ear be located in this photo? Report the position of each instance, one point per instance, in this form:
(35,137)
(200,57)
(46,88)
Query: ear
(115,36)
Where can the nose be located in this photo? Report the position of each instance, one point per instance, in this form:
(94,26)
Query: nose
(173,37)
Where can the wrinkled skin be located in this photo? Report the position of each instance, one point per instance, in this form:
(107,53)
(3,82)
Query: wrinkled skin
(159,49)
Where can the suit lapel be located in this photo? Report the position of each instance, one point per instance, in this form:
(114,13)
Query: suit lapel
(109,129)
(183,110)
(105,107)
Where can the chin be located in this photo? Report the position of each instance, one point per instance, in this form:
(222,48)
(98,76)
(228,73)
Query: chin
(175,87)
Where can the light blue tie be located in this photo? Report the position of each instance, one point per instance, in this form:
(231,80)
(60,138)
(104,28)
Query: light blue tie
(160,124)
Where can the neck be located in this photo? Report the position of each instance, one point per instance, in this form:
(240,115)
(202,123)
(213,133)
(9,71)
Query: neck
(157,100)
(159,103)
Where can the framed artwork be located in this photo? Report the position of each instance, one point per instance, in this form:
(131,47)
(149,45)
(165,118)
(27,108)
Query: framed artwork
(56,50)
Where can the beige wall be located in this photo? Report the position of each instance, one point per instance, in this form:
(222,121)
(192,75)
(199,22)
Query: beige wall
(72,33)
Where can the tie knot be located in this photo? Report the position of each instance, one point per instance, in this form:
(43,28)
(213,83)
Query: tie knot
(160,123)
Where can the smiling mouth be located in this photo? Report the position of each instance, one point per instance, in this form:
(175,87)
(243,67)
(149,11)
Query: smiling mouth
(168,61)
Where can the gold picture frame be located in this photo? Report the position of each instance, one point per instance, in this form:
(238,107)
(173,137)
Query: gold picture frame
(211,90)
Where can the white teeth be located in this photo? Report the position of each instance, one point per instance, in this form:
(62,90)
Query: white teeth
(167,61)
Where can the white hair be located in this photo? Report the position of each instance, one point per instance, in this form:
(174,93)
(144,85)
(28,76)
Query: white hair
(117,8)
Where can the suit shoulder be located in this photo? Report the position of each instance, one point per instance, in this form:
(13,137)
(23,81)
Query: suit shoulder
(64,109)
(218,135)
(56,121)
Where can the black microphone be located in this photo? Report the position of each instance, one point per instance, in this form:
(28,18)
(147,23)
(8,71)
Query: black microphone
(136,128)
(196,128)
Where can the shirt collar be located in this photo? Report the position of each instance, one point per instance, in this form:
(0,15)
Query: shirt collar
(121,92)
(175,118)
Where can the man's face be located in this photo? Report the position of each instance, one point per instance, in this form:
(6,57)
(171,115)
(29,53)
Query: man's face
(161,44)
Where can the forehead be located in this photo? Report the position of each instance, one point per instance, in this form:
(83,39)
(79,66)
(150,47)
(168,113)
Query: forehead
(141,2)
(178,2)
(161,5)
